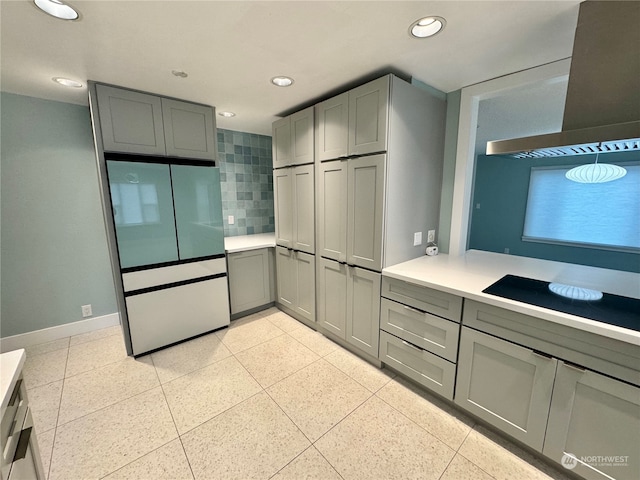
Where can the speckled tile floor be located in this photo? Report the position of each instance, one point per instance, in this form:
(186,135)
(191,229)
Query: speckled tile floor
(266,398)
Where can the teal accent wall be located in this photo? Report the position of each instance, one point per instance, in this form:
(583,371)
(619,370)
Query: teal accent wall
(54,255)
(247,182)
(501,188)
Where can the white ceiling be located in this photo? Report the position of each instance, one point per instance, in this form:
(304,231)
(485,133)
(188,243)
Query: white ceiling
(231,49)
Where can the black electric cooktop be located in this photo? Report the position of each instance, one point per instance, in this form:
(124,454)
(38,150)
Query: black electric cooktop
(611,309)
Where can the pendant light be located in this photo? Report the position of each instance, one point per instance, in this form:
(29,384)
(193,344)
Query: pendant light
(596,172)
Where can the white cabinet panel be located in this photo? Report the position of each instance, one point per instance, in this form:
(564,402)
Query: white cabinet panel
(302,137)
(368,117)
(505,384)
(332,127)
(281,137)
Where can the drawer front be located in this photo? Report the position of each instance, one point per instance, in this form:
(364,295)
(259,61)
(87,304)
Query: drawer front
(427,369)
(427,331)
(426,299)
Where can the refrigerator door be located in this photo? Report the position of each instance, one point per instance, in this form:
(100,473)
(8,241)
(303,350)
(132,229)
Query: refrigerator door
(198,208)
(142,212)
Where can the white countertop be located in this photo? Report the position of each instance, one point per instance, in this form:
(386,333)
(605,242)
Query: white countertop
(243,243)
(468,275)
(10,367)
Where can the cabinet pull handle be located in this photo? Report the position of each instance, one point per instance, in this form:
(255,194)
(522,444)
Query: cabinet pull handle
(414,310)
(413,347)
(538,353)
(574,366)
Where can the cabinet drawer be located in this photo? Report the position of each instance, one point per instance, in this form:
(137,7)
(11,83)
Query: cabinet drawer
(427,331)
(426,299)
(425,368)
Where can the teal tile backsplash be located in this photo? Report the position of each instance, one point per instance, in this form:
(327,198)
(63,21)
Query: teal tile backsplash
(246,181)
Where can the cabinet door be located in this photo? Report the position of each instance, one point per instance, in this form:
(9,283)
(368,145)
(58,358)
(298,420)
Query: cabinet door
(198,206)
(302,136)
(306,285)
(304,232)
(368,114)
(363,310)
(332,127)
(281,136)
(286,278)
(283,205)
(332,296)
(189,129)
(332,210)
(505,384)
(365,210)
(249,279)
(592,415)
(130,121)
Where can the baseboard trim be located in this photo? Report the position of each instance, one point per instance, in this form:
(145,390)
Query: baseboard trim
(50,334)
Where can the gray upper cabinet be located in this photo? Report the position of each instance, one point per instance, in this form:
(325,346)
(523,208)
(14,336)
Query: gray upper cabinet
(130,121)
(283,204)
(332,128)
(363,310)
(365,209)
(506,385)
(189,129)
(293,139)
(332,210)
(294,206)
(592,415)
(142,123)
(368,117)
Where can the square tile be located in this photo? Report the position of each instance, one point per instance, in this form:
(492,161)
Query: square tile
(309,465)
(283,321)
(248,332)
(276,359)
(313,340)
(254,439)
(199,396)
(189,356)
(168,462)
(376,441)
(90,391)
(45,445)
(317,397)
(95,335)
(41,348)
(503,460)
(434,415)
(94,354)
(45,368)
(370,377)
(104,441)
(462,469)
(44,402)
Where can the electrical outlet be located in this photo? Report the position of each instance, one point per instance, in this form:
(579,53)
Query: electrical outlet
(431,236)
(231,219)
(86,311)
(417,239)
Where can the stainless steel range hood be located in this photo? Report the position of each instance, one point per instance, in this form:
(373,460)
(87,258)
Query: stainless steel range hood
(602,110)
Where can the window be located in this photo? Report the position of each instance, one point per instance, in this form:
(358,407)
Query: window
(604,215)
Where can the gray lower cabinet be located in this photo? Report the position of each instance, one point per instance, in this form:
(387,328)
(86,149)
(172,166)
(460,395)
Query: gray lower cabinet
(349,304)
(251,279)
(143,123)
(595,419)
(296,282)
(506,385)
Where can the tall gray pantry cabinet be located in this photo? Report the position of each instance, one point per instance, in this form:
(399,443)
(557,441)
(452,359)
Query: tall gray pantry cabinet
(378,153)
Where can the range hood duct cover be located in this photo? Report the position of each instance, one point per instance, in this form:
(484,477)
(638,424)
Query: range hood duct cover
(602,109)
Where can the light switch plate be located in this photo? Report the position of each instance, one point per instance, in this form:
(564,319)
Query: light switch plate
(417,239)
(231,220)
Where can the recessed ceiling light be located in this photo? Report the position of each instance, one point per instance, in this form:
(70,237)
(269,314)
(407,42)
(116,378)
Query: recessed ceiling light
(427,27)
(179,73)
(67,82)
(282,81)
(57,9)
(227,114)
